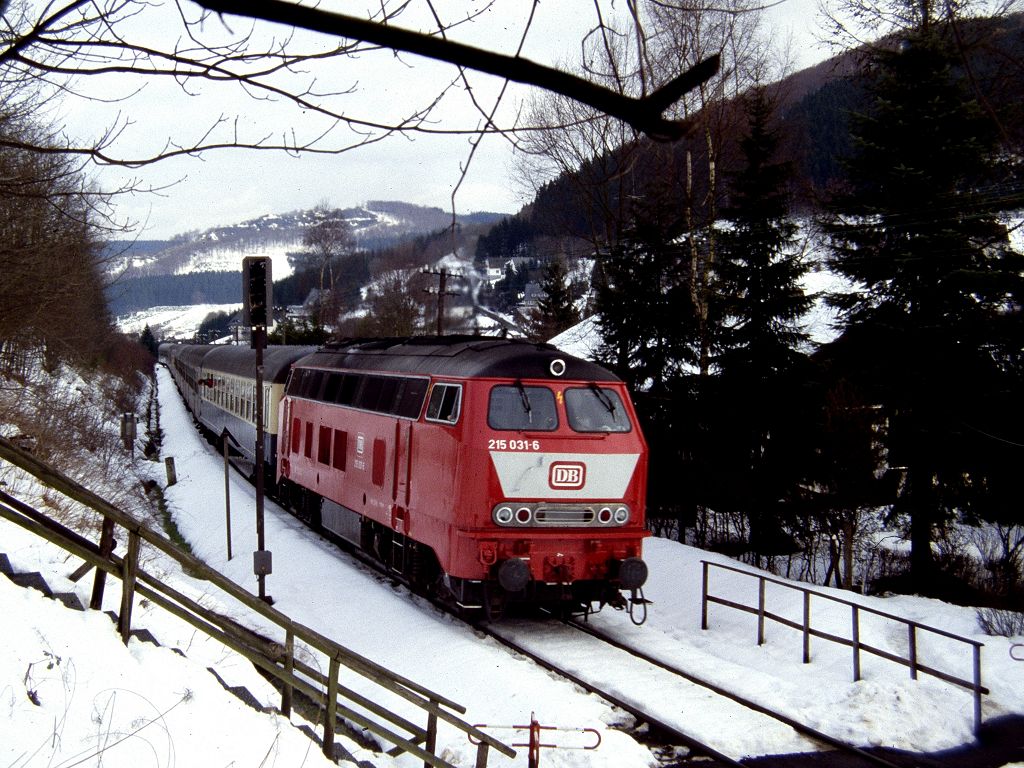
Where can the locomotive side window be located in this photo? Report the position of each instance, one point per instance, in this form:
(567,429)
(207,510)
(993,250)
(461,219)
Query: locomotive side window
(333,387)
(340,449)
(522,408)
(296,435)
(349,389)
(309,441)
(323,447)
(596,409)
(410,399)
(445,402)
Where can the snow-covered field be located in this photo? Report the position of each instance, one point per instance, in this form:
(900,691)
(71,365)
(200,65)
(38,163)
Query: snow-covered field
(172,322)
(68,688)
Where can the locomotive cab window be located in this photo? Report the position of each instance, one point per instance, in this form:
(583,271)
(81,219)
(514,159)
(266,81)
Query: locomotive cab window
(522,408)
(445,402)
(596,409)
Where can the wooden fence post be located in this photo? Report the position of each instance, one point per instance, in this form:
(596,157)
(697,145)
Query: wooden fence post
(331,717)
(106,549)
(431,743)
(289,668)
(129,570)
(481,754)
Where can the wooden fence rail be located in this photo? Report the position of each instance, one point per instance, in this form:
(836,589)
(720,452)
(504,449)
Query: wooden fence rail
(276,658)
(855,641)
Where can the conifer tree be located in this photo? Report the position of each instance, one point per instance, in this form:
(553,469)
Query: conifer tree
(761,262)
(936,286)
(555,311)
(643,303)
(761,345)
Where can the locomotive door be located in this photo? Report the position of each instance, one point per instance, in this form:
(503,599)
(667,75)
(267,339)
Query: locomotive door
(401,474)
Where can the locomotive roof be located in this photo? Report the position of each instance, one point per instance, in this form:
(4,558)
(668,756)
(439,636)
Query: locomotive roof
(241,361)
(458,356)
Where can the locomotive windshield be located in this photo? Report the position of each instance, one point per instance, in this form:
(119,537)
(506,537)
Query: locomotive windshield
(522,408)
(596,409)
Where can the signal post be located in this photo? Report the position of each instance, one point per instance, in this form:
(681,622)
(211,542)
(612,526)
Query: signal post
(257,303)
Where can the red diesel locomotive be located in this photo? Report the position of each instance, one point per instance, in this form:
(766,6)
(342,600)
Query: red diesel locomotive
(492,469)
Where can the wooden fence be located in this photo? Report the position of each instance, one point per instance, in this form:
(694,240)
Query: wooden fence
(854,642)
(275,657)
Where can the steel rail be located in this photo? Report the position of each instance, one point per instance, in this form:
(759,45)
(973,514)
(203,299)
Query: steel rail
(683,737)
(801,728)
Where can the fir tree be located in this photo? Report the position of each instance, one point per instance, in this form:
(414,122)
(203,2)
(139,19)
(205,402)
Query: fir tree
(937,287)
(555,311)
(761,264)
(643,303)
(761,344)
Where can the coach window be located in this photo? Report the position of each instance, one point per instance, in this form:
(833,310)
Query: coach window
(522,408)
(596,409)
(445,403)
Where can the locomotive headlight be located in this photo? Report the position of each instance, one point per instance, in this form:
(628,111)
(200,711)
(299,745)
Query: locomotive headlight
(503,515)
(604,516)
(524,515)
(621,516)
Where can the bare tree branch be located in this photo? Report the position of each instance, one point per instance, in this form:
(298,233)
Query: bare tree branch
(644,114)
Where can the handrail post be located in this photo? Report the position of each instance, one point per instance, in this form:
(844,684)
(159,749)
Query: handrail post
(912,649)
(977,690)
(760,610)
(704,597)
(331,716)
(807,626)
(106,549)
(856,642)
(130,567)
(289,669)
(431,743)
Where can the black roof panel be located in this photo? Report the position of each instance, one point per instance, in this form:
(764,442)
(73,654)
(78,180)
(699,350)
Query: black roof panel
(457,356)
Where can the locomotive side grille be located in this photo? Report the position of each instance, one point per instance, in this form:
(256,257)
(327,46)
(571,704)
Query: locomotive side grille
(557,517)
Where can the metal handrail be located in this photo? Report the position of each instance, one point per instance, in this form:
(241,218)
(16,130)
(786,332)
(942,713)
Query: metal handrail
(275,658)
(854,641)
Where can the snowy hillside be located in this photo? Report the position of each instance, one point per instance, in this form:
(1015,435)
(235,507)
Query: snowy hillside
(172,322)
(373,225)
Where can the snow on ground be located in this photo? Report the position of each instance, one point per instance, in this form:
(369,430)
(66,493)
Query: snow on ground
(172,322)
(319,587)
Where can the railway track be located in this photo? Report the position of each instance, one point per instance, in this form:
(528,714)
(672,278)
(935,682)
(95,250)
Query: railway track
(693,698)
(676,717)
(682,716)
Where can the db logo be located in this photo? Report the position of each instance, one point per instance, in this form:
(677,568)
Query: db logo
(567,476)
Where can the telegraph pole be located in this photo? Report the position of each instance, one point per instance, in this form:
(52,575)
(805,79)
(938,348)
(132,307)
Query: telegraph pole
(442,291)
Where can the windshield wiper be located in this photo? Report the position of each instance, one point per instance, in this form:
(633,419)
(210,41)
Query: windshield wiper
(526,400)
(602,396)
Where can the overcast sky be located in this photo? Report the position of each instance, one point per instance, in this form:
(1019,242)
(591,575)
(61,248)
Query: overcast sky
(227,186)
